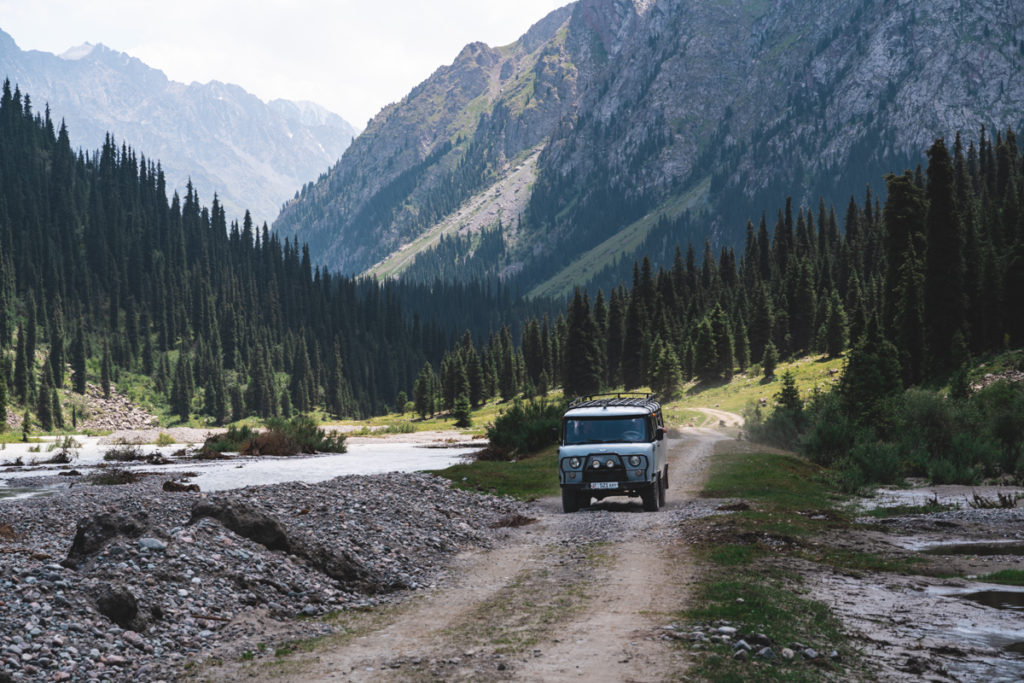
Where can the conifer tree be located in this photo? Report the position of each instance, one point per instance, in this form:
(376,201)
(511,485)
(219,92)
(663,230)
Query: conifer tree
(836,327)
(666,376)
(462,412)
(742,347)
(181,389)
(770,360)
(872,374)
(423,392)
(3,402)
(705,352)
(78,361)
(105,370)
(633,370)
(583,356)
(58,342)
(21,368)
(58,413)
(721,331)
(44,404)
(944,302)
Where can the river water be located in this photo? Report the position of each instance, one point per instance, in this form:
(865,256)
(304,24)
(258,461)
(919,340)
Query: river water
(364,457)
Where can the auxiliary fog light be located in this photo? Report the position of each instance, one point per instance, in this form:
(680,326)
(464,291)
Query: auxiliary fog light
(572,476)
(634,460)
(574,463)
(638,473)
(609,463)
(596,464)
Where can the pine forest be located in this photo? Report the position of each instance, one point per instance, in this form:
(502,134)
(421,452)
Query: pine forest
(104,279)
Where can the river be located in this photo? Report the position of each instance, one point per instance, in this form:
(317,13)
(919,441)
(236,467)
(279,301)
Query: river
(365,456)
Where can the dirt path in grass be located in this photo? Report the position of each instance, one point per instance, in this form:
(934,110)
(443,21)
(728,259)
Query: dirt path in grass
(569,597)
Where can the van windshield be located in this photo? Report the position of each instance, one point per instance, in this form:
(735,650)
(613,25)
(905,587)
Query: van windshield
(606,430)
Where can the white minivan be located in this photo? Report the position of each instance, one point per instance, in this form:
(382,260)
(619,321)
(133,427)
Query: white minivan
(613,445)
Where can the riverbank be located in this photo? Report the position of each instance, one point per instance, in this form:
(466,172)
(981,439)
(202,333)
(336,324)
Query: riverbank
(151,589)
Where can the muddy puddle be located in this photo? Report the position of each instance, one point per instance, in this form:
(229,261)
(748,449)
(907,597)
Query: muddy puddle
(972,548)
(996,596)
(943,619)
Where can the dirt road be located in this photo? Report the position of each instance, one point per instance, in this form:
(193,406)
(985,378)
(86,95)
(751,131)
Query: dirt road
(568,597)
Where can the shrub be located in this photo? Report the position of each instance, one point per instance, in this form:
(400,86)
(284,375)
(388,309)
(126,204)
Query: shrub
(123,454)
(525,428)
(831,433)
(281,437)
(164,439)
(114,476)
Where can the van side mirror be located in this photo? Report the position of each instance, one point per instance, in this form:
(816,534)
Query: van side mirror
(659,434)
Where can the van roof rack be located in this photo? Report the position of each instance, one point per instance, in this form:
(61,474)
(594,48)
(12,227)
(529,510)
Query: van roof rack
(620,398)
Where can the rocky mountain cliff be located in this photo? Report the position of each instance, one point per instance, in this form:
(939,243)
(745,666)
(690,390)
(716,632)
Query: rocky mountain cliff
(636,124)
(254,155)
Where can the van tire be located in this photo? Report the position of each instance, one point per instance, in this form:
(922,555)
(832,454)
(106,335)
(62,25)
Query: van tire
(649,495)
(570,500)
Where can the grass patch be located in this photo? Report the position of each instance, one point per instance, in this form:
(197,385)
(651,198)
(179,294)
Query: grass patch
(779,483)
(1009,577)
(756,603)
(746,390)
(747,581)
(527,479)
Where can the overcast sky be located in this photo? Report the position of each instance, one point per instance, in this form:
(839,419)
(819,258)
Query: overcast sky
(352,56)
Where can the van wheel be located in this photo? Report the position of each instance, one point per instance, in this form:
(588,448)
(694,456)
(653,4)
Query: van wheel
(662,485)
(570,500)
(650,496)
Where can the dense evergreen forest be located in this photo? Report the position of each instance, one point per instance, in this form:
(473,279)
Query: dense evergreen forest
(937,272)
(102,278)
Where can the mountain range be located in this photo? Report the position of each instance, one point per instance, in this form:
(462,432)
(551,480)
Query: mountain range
(253,154)
(614,128)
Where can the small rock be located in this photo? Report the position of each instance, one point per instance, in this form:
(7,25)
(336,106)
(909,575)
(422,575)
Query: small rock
(766,653)
(150,543)
(741,655)
(787,654)
(810,653)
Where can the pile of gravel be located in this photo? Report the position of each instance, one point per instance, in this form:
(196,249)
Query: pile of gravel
(132,582)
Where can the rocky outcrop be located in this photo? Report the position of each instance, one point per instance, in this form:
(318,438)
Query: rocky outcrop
(95,531)
(260,527)
(659,106)
(109,413)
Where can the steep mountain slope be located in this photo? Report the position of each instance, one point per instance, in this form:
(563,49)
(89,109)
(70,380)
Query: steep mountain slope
(254,155)
(659,121)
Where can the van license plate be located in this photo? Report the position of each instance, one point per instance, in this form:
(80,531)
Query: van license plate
(604,484)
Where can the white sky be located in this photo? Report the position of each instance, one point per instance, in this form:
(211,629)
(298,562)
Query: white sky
(351,56)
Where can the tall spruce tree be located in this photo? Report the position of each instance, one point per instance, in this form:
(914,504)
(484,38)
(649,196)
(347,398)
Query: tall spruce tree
(78,361)
(583,355)
(944,300)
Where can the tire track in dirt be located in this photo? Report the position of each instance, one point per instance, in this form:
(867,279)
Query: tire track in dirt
(571,597)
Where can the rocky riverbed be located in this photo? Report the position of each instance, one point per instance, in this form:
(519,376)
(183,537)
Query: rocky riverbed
(133,582)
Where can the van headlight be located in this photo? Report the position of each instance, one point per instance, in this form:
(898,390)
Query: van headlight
(635,460)
(574,463)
